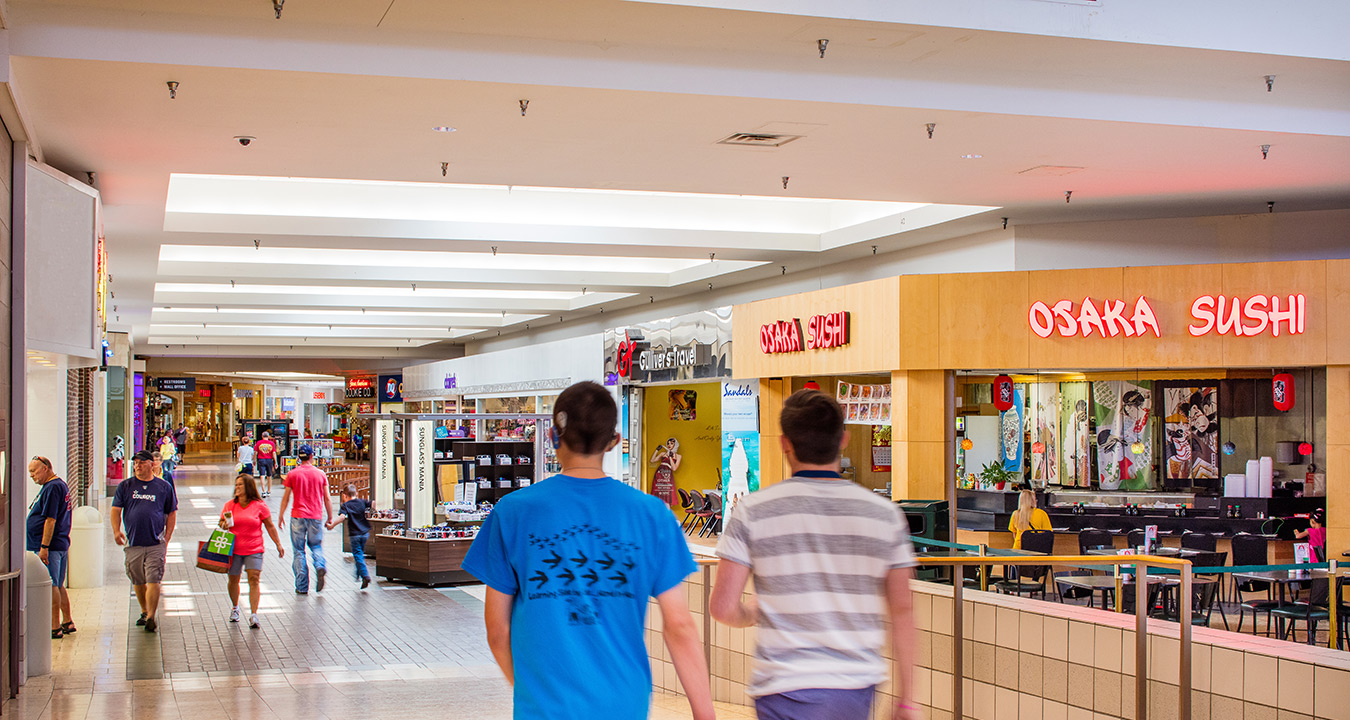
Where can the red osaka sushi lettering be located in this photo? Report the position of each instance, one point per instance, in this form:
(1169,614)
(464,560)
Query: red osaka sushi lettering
(1257,314)
(1109,318)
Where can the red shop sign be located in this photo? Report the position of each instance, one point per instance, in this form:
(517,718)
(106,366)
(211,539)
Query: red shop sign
(830,330)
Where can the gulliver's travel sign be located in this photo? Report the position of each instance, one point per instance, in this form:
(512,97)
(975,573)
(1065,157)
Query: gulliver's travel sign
(830,330)
(1223,315)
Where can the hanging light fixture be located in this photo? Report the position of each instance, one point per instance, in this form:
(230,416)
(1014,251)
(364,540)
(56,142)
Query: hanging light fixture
(966,444)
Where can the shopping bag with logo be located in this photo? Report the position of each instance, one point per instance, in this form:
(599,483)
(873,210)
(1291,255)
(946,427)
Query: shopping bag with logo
(213,555)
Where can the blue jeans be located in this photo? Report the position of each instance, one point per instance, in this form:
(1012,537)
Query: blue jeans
(306,531)
(359,554)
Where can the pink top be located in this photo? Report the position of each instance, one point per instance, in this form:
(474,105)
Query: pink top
(308,486)
(1317,537)
(248,526)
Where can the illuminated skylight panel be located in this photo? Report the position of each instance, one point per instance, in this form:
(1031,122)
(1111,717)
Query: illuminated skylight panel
(370,291)
(424,259)
(513,205)
(467,314)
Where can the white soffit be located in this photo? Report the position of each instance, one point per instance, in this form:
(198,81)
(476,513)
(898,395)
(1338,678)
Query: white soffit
(206,203)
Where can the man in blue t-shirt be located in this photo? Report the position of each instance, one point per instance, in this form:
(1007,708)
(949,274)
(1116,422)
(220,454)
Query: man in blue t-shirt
(570,564)
(149,508)
(49,537)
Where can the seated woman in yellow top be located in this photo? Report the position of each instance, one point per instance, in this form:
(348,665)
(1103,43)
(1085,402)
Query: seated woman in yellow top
(1027,517)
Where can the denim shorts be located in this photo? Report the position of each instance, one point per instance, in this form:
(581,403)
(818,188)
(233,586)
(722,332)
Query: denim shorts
(56,566)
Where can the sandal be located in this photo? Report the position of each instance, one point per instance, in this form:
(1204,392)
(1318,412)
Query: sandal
(56,634)
(68,627)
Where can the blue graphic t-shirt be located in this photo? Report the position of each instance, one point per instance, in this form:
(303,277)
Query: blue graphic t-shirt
(53,501)
(145,509)
(582,557)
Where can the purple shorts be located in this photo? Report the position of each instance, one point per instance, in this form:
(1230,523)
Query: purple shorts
(817,704)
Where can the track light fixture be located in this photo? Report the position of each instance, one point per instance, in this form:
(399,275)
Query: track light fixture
(785,182)
(820,45)
(1265,151)
(173,89)
(1270,83)
(276,5)
(1067,195)
(445,169)
(523,104)
(931,127)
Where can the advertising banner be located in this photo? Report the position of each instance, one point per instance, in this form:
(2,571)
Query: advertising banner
(382,459)
(420,499)
(740,441)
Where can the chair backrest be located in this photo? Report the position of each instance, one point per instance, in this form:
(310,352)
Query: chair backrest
(1041,541)
(1198,541)
(714,502)
(686,501)
(697,501)
(1134,538)
(1249,549)
(1089,538)
(1208,559)
(1203,598)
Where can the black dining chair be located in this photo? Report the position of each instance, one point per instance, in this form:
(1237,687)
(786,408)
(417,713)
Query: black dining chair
(1250,549)
(1191,540)
(714,524)
(1201,605)
(1201,560)
(687,505)
(1134,538)
(1091,538)
(1029,579)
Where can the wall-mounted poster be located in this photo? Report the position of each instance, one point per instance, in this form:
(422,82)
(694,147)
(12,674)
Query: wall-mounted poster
(865,404)
(1075,469)
(1124,434)
(1010,424)
(1191,427)
(881,448)
(1045,419)
(683,404)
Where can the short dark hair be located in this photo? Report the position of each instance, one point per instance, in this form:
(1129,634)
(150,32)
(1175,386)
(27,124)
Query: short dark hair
(814,423)
(585,416)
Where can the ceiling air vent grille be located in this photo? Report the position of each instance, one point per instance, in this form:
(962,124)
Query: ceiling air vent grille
(765,140)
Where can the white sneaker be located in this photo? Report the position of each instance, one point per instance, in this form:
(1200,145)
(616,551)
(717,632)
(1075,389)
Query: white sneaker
(253,621)
(234,614)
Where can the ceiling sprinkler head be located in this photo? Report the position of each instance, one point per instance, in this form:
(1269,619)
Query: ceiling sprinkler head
(523,104)
(445,168)
(785,182)
(1067,194)
(820,44)
(1270,206)
(931,127)
(173,89)
(1270,83)
(276,5)
(1265,151)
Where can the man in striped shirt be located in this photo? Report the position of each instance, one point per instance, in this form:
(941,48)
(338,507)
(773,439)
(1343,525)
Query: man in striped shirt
(832,562)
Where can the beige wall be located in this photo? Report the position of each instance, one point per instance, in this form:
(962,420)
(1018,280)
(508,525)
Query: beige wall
(1032,660)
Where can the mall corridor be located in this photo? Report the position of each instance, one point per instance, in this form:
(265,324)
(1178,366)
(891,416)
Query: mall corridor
(391,651)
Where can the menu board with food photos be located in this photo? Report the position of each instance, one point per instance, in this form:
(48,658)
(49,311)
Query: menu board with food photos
(865,404)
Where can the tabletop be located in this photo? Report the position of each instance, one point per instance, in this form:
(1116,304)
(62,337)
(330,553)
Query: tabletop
(1286,576)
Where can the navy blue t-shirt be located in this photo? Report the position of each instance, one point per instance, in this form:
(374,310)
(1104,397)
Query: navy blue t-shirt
(582,557)
(53,501)
(145,509)
(355,510)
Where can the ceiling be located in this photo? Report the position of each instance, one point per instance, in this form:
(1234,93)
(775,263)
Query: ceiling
(348,227)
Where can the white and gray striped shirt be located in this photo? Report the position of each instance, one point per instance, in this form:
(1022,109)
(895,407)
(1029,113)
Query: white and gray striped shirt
(819,550)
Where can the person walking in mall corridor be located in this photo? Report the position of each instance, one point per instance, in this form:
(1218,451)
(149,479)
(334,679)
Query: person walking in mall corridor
(832,562)
(246,515)
(180,438)
(49,537)
(353,509)
(245,455)
(265,452)
(308,487)
(149,508)
(568,582)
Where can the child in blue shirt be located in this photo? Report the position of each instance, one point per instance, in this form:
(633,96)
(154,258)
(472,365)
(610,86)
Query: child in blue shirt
(570,564)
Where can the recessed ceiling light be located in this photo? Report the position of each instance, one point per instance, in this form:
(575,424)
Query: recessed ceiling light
(971,157)
(443,128)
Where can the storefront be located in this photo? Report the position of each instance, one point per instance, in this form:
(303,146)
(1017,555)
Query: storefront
(1120,381)
(673,379)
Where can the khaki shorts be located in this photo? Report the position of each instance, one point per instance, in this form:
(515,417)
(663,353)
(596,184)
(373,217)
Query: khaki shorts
(145,563)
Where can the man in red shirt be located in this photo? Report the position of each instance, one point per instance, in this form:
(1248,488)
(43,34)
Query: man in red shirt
(308,485)
(265,451)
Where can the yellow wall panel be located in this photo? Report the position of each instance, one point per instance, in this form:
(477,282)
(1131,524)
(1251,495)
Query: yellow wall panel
(1338,315)
(1170,291)
(982,320)
(919,322)
(1285,278)
(1051,286)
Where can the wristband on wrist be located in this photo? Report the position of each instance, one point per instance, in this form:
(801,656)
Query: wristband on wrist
(46,547)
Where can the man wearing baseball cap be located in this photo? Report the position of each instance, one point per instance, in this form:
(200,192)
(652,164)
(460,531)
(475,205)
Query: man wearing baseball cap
(308,486)
(149,508)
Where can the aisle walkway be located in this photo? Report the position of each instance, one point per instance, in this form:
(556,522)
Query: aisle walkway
(390,651)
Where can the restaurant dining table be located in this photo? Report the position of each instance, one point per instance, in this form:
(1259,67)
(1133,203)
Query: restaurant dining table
(1281,578)
(1106,584)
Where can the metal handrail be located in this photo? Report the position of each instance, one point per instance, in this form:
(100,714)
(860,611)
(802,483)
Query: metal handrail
(1142,563)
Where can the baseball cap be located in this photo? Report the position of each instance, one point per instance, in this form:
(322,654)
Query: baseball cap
(305,451)
(143,455)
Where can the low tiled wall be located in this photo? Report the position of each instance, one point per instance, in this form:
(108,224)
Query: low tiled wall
(1028,659)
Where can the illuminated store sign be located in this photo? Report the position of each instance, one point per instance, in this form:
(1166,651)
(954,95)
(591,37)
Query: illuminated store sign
(661,358)
(830,330)
(361,388)
(1211,314)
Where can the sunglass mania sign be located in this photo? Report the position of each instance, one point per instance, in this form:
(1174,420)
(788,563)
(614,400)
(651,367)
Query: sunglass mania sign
(830,330)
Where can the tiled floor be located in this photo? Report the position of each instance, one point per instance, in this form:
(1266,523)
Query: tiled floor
(390,651)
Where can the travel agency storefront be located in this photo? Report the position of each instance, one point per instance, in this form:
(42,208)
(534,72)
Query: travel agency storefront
(1127,386)
(686,425)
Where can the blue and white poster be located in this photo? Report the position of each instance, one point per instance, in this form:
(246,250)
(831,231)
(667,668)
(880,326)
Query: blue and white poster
(740,441)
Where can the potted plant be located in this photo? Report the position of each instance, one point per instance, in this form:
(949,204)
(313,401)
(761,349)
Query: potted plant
(997,476)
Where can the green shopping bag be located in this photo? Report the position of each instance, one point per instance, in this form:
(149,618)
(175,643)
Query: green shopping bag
(221,542)
(213,555)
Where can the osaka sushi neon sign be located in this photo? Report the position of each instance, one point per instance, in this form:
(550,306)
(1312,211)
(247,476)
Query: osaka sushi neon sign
(1210,314)
(830,330)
